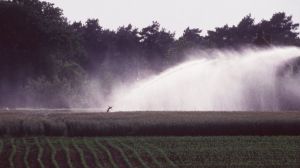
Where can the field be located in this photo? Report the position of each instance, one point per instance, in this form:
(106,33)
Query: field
(150,152)
(68,139)
(67,123)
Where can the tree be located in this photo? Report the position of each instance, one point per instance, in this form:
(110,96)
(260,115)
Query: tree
(223,37)
(246,30)
(281,29)
(35,38)
(156,43)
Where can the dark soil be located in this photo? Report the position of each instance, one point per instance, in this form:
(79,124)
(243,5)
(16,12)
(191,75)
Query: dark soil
(88,156)
(19,157)
(32,157)
(117,156)
(61,158)
(133,159)
(104,158)
(46,158)
(75,157)
(4,156)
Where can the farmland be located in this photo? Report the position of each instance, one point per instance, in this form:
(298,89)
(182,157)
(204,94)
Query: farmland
(68,123)
(59,139)
(148,152)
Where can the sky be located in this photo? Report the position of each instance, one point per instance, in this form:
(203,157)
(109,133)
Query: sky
(175,15)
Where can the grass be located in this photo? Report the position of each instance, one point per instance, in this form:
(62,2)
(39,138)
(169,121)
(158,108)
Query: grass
(80,152)
(53,153)
(135,154)
(162,153)
(110,158)
(40,152)
(93,152)
(12,153)
(182,152)
(146,152)
(124,156)
(65,147)
(45,123)
(27,150)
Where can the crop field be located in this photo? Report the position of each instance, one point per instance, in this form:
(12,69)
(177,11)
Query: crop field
(72,124)
(150,152)
(68,139)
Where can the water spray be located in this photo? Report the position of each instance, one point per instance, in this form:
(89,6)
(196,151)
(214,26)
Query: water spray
(247,80)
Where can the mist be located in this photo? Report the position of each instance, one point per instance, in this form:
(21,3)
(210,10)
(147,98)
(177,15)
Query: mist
(246,80)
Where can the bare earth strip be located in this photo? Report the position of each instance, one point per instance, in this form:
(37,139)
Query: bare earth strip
(20,153)
(74,155)
(145,154)
(130,155)
(116,155)
(66,150)
(33,153)
(87,155)
(53,153)
(46,158)
(139,161)
(91,149)
(81,158)
(60,157)
(40,152)
(104,154)
(4,156)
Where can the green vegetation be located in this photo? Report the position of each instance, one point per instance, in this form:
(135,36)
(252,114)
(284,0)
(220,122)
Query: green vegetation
(65,147)
(53,153)
(40,152)
(145,152)
(81,154)
(91,149)
(135,154)
(181,152)
(161,153)
(123,155)
(27,150)
(12,153)
(110,158)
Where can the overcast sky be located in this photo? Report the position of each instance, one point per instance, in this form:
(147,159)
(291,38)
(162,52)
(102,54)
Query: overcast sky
(175,15)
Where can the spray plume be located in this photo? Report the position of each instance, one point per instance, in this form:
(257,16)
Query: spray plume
(251,79)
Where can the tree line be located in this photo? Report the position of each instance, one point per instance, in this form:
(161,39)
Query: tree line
(45,60)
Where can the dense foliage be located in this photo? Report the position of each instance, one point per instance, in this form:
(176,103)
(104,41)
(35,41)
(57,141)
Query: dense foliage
(47,61)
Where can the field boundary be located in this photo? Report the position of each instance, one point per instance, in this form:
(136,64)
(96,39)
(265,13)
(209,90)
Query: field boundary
(17,124)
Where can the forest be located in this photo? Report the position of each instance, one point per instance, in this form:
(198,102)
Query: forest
(48,61)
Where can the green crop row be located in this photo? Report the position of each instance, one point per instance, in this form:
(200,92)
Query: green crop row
(150,152)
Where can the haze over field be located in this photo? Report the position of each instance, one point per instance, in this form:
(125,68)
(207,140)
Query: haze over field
(250,80)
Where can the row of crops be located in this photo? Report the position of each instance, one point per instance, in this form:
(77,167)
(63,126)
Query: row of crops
(80,152)
(149,152)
